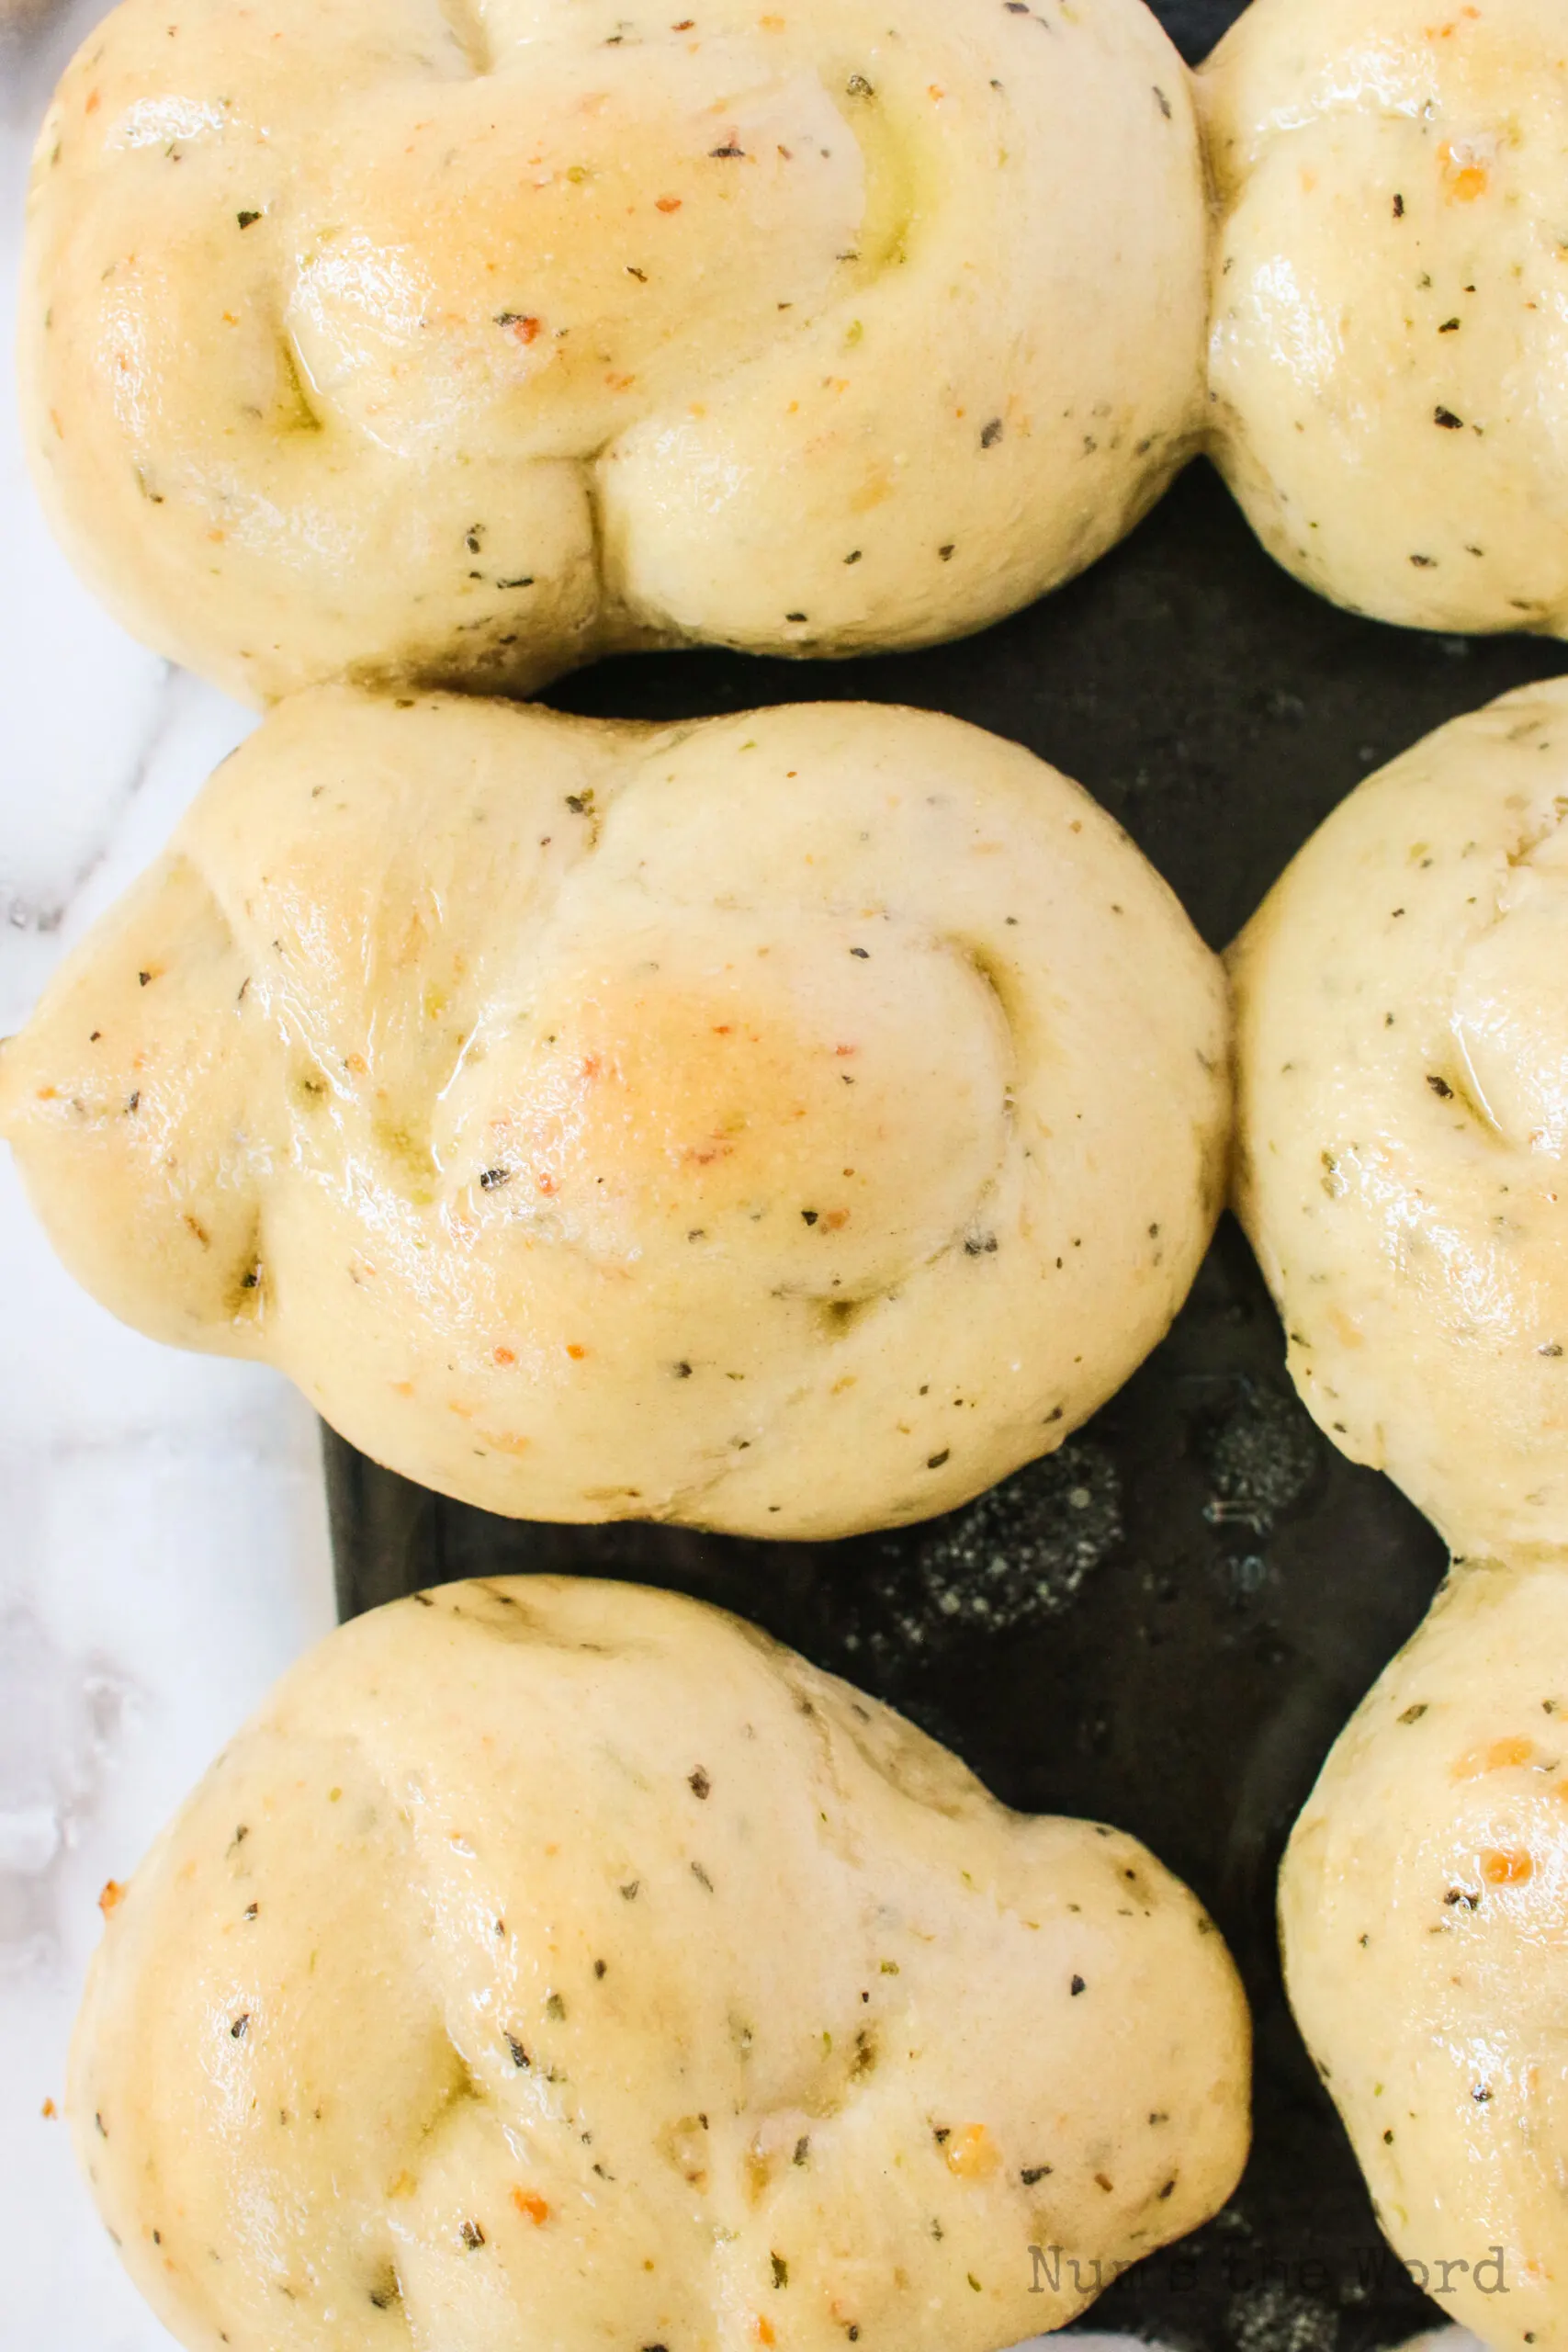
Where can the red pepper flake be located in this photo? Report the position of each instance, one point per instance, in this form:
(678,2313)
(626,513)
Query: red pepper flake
(972,2153)
(530,2203)
(576,1353)
(112,1896)
(1465,180)
(1502,1755)
(521,325)
(765,2332)
(668,204)
(505,1355)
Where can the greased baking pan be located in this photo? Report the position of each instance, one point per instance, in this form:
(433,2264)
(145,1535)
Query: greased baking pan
(1166,1623)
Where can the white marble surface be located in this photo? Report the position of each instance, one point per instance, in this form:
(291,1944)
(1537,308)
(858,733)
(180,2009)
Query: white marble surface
(162,1539)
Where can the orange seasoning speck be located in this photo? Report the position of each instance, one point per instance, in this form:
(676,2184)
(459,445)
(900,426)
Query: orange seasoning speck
(1507,1870)
(576,1353)
(94,99)
(529,2201)
(765,2332)
(49,2110)
(972,2153)
(505,1355)
(1463,179)
(668,204)
(1500,1757)
(112,1896)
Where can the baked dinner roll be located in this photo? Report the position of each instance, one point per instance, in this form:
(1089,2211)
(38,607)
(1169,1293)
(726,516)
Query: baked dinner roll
(1389,353)
(790,1123)
(1402,1055)
(1421,1906)
(462,344)
(563,1963)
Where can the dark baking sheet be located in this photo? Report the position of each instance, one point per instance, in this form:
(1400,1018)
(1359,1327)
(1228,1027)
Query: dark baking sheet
(1166,1623)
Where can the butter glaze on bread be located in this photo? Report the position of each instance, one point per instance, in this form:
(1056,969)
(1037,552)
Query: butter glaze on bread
(790,1123)
(463,345)
(556,1963)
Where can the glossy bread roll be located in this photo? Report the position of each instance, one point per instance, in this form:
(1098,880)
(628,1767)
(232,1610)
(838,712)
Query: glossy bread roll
(1421,1906)
(563,1963)
(1402,1006)
(1389,353)
(462,344)
(790,1123)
